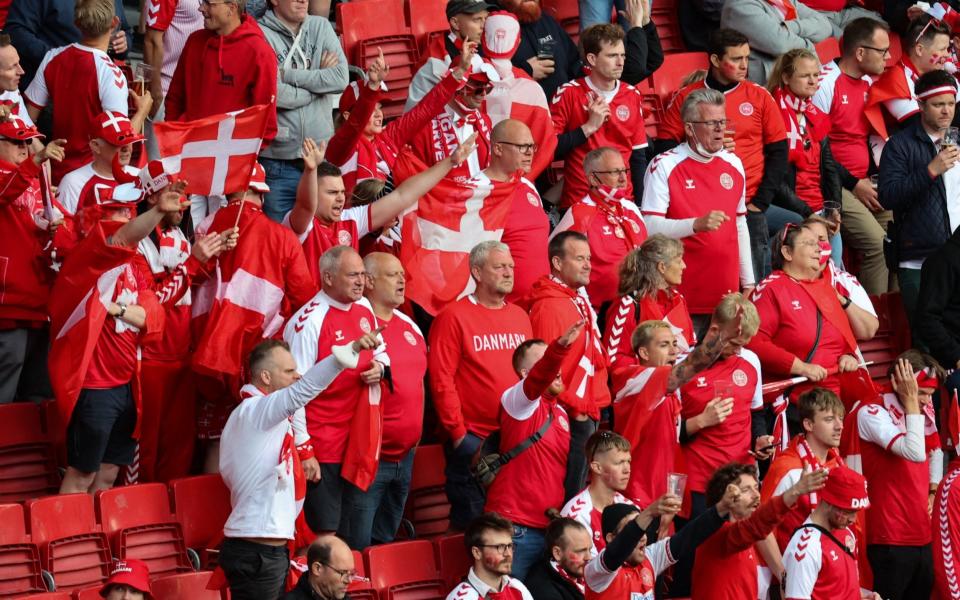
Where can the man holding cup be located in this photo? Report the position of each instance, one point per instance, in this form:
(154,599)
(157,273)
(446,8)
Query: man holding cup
(918,182)
(546,52)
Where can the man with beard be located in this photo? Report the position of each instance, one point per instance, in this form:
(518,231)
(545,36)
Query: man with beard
(466,19)
(726,564)
(820,560)
(821,414)
(489,540)
(546,52)
(559,575)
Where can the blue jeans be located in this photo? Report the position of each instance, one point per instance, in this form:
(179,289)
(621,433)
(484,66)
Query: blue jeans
(528,544)
(283,176)
(777,218)
(909,292)
(759,244)
(375,515)
(593,12)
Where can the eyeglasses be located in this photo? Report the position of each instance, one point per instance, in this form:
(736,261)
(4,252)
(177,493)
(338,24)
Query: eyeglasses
(523,148)
(715,124)
(208,4)
(617,172)
(786,231)
(345,575)
(477,90)
(500,548)
(882,51)
(18,143)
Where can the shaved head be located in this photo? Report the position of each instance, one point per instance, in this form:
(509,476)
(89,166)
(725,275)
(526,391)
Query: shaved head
(512,143)
(377,262)
(509,130)
(386,281)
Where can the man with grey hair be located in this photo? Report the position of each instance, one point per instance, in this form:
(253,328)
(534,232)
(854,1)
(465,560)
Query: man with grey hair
(470,365)
(609,218)
(696,192)
(338,312)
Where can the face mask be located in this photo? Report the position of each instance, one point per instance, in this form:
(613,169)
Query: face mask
(699,149)
(610,193)
(825,252)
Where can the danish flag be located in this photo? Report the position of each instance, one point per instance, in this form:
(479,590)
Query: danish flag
(215,155)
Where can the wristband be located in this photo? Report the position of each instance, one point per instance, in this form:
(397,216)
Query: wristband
(305,451)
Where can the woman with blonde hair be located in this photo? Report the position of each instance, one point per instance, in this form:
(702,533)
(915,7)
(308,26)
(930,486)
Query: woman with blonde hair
(649,276)
(812,182)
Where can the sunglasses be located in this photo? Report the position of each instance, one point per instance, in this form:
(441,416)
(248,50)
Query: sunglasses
(18,143)
(478,90)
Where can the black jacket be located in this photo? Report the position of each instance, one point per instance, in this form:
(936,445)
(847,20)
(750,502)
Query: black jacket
(546,584)
(785,196)
(921,223)
(644,53)
(566,57)
(937,321)
(303,591)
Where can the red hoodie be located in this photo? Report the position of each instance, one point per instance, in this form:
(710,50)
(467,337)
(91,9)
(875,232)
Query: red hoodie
(218,74)
(554,307)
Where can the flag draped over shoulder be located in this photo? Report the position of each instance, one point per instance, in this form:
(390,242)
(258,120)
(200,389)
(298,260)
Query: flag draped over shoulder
(215,155)
(448,222)
(522,98)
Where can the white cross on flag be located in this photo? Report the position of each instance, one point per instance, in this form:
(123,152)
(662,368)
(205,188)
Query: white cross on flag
(215,155)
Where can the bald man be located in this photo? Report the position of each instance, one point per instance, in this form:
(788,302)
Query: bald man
(526,231)
(375,514)
(329,561)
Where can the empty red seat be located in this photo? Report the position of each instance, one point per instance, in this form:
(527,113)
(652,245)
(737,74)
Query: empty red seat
(567,13)
(405,571)
(184,585)
(361,590)
(427,506)
(201,505)
(20,569)
(48,596)
(452,559)
(428,20)
(138,522)
(27,465)
(92,593)
(72,547)
(676,67)
(664,16)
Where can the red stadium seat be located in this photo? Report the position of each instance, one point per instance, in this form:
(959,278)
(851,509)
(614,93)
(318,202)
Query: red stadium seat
(92,593)
(428,20)
(72,547)
(427,505)
(676,67)
(653,114)
(184,585)
(201,505)
(27,466)
(13,528)
(361,590)
(138,522)
(664,17)
(48,596)
(373,25)
(405,571)
(567,13)
(828,50)
(452,559)
(20,570)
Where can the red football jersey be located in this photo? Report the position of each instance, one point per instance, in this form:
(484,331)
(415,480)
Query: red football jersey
(751,108)
(526,232)
(843,98)
(818,568)
(580,508)
(354,223)
(79,83)
(682,185)
(403,407)
(624,130)
(79,188)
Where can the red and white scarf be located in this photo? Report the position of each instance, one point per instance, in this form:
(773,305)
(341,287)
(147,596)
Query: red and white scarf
(788,12)
(812,463)
(444,125)
(803,121)
(608,201)
(574,581)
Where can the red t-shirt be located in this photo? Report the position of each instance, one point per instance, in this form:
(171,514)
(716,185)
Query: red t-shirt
(354,223)
(319,325)
(820,569)
(79,188)
(471,349)
(751,108)
(898,487)
(526,232)
(731,440)
(403,408)
(624,130)
(843,98)
(114,360)
(79,83)
(681,185)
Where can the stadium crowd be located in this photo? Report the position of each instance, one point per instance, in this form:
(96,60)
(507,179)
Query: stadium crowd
(640,344)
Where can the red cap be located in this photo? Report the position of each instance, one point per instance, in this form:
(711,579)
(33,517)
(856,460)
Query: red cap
(130,572)
(115,129)
(846,489)
(125,195)
(258,180)
(350,95)
(15,128)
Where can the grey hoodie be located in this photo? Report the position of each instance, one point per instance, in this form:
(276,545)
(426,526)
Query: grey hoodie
(305,92)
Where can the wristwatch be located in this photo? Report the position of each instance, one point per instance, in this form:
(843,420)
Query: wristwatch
(846,304)
(123,310)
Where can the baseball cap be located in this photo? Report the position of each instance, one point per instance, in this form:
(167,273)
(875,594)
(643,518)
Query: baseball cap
(115,129)
(130,572)
(466,7)
(258,179)
(351,94)
(846,489)
(125,195)
(15,128)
